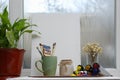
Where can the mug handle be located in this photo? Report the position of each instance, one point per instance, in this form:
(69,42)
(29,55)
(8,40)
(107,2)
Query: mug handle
(37,65)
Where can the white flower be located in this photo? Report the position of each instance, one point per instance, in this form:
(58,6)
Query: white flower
(92,48)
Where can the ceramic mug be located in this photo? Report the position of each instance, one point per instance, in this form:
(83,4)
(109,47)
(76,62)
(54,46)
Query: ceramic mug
(49,65)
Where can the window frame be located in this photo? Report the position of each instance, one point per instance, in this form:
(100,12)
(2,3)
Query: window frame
(15,13)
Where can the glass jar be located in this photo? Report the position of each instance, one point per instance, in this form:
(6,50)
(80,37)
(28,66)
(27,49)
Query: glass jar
(66,67)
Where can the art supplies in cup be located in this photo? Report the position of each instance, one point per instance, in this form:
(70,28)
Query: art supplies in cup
(46,50)
(49,65)
(48,60)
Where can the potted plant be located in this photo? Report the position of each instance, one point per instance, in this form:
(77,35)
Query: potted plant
(10,56)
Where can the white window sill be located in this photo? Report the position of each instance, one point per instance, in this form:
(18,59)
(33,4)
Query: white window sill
(26,72)
(65,78)
(112,71)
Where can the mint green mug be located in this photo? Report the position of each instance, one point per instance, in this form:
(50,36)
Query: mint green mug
(49,65)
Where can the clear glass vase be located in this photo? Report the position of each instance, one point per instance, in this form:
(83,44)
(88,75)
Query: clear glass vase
(92,58)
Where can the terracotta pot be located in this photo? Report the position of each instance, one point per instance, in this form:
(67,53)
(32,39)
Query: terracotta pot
(11,61)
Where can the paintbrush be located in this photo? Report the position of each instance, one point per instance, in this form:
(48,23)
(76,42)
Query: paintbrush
(41,47)
(53,48)
(39,51)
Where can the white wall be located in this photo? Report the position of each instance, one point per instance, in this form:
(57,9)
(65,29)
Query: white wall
(64,29)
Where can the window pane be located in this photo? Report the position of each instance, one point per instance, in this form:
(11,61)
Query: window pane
(3,4)
(100,27)
(53,6)
(96,22)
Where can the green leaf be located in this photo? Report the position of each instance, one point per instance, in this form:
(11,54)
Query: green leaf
(4,43)
(26,31)
(19,24)
(27,26)
(11,38)
(4,17)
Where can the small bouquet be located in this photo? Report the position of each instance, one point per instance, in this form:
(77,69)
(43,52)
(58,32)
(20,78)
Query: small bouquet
(93,49)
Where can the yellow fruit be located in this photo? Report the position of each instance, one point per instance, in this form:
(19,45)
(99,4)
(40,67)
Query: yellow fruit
(79,68)
(73,75)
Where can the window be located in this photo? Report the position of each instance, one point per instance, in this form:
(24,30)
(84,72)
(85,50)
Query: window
(19,4)
(18,12)
(96,24)
(15,4)
(3,3)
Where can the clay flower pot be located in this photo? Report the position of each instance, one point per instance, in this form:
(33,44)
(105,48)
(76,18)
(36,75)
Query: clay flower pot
(11,61)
